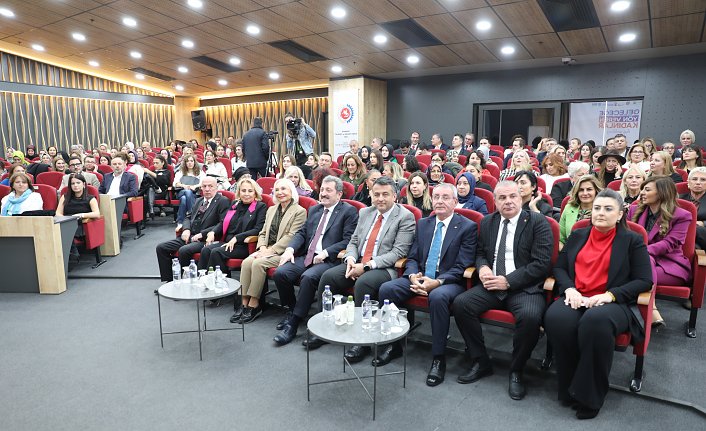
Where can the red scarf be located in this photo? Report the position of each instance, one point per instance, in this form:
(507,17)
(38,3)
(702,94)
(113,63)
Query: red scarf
(592,263)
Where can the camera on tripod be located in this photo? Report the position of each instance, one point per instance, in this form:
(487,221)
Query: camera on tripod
(271,134)
(294,126)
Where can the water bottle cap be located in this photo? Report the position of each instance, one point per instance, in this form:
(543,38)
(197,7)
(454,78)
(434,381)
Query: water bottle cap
(366,297)
(193,261)
(218,267)
(386,302)
(327,287)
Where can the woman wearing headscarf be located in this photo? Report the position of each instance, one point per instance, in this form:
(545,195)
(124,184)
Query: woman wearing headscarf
(466,187)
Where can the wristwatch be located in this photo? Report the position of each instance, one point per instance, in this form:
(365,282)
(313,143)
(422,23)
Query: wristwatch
(367,267)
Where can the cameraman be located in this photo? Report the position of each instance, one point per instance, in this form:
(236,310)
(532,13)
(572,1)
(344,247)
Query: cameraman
(300,138)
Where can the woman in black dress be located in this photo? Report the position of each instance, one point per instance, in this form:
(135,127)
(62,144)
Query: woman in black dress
(77,201)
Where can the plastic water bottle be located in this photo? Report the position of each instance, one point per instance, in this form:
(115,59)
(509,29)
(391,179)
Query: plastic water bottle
(385,323)
(193,271)
(218,279)
(176,270)
(366,312)
(327,301)
(350,310)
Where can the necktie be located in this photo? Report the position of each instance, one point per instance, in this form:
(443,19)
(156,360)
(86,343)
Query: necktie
(370,246)
(434,252)
(312,247)
(203,207)
(500,260)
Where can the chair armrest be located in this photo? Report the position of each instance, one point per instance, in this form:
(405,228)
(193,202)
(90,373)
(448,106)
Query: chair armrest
(699,279)
(644,298)
(341,254)
(88,220)
(469,272)
(700,257)
(250,239)
(401,263)
(135,198)
(549,284)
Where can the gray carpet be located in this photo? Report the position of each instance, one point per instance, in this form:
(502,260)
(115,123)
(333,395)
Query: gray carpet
(90,358)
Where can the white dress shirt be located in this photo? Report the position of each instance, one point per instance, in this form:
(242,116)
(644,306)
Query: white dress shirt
(114,189)
(509,244)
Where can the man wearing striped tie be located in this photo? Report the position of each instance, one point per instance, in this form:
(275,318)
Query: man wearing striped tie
(444,246)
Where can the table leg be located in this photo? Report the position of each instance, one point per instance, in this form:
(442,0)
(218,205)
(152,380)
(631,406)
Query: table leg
(375,378)
(161,332)
(344,358)
(198,321)
(205,328)
(404,361)
(308,386)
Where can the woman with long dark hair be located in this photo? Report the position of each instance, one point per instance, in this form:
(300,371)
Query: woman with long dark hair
(531,196)
(417,193)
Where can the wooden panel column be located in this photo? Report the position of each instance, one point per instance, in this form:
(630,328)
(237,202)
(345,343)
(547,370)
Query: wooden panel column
(183,128)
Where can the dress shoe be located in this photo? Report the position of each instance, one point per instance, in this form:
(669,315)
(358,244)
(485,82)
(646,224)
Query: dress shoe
(235,318)
(436,372)
(584,412)
(286,335)
(475,373)
(356,353)
(517,388)
(287,317)
(313,342)
(250,314)
(390,352)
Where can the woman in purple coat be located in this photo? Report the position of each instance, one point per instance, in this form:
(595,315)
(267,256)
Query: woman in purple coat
(666,225)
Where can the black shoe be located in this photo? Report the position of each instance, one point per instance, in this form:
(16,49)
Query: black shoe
(475,373)
(570,402)
(390,352)
(584,412)
(235,318)
(356,353)
(313,342)
(250,314)
(282,323)
(517,388)
(436,372)
(287,335)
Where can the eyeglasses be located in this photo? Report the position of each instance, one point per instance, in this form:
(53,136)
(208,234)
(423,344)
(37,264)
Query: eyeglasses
(74,164)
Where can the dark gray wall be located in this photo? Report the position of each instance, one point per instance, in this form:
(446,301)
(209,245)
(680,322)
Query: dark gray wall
(674,91)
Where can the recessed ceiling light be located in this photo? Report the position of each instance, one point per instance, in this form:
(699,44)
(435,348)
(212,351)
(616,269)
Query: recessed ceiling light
(483,25)
(78,36)
(139,76)
(253,29)
(222,82)
(196,4)
(412,59)
(183,69)
(130,22)
(380,39)
(179,87)
(37,47)
(234,61)
(274,75)
(93,63)
(627,37)
(135,54)
(6,12)
(507,50)
(186,43)
(338,12)
(619,6)
(336,69)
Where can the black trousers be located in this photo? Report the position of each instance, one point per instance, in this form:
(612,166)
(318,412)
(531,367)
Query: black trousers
(256,173)
(165,252)
(216,255)
(526,308)
(368,283)
(583,341)
(290,274)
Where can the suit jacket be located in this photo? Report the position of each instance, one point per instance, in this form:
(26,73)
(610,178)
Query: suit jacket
(214,214)
(629,273)
(256,148)
(666,250)
(559,192)
(338,232)
(458,251)
(128,184)
(700,205)
(394,240)
(243,226)
(532,249)
(292,220)
(91,179)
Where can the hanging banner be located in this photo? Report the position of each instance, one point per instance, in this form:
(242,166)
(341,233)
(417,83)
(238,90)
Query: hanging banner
(602,120)
(345,120)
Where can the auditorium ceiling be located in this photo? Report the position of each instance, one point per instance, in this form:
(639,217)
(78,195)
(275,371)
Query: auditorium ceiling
(216,47)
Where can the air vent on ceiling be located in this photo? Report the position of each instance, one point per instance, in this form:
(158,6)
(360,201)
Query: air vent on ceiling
(216,64)
(301,52)
(565,15)
(411,33)
(152,73)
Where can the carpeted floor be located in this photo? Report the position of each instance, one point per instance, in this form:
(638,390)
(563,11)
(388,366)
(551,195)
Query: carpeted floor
(90,359)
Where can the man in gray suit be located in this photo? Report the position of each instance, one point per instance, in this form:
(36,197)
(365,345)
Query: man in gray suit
(383,235)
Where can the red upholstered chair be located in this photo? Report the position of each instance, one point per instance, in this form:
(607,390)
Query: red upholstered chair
(99,176)
(415,211)
(561,180)
(489,180)
(307,202)
(423,166)
(424,158)
(488,198)
(135,212)
(676,163)
(498,149)
(335,165)
(462,160)
(4,191)
(449,179)
(49,196)
(94,237)
(358,205)
(494,171)
(682,188)
(548,199)
(50,178)
(228,166)
(541,184)
(144,163)
(498,161)
(267,184)
(229,195)
(251,241)
(339,160)
(311,184)
(645,303)
(105,169)
(348,190)
(435,151)
(406,174)
(564,202)
(684,174)
(615,185)
(337,171)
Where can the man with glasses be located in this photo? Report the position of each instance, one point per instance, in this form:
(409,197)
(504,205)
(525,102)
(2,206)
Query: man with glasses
(671,149)
(76,167)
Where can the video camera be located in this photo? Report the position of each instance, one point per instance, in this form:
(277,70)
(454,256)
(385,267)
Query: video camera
(294,126)
(271,134)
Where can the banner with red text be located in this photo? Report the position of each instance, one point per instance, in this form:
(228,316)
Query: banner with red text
(602,120)
(345,120)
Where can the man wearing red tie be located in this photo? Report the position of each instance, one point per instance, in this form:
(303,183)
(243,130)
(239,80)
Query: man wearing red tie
(383,235)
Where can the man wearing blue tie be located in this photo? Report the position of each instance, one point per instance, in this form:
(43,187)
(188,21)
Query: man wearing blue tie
(444,246)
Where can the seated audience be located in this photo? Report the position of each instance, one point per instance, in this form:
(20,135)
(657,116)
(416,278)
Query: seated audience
(417,193)
(387,153)
(697,196)
(212,167)
(561,189)
(317,178)
(661,165)
(554,168)
(376,161)
(238,159)
(119,182)
(637,156)
(364,155)
(15,168)
(452,165)
(410,164)
(296,176)
(159,180)
(532,199)
(599,274)
(579,206)
(77,202)
(186,184)
(475,170)
(585,153)
(610,167)
(284,163)
(518,162)
(466,188)
(22,197)
(477,158)
(630,185)
(354,171)
(394,171)
(363,196)
(435,174)
(76,167)
(690,157)
(60,165)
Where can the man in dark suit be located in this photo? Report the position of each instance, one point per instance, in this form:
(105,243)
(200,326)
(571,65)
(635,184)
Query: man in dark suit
(126,184)
(513,259)
(207,212)
(437,142)
(444,246)
(383,235)
(313,250)
(256,149)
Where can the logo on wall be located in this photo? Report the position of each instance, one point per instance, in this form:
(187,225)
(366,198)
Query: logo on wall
(346,114)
